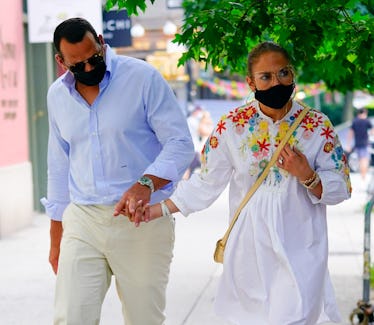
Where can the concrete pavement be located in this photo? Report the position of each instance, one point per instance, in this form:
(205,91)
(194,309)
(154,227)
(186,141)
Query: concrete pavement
(27,282)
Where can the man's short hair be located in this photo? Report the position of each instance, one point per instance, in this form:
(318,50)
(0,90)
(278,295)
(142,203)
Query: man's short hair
(361,111)
(73,30)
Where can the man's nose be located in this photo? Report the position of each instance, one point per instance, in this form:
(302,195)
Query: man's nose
(88,67)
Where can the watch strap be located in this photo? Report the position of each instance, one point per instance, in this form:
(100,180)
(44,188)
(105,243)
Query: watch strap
(146,181)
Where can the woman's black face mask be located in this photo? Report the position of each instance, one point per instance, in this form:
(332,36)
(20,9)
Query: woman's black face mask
(276,96)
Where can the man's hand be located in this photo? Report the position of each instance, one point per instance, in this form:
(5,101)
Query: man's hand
(54,252)
(135,201)
(137,196)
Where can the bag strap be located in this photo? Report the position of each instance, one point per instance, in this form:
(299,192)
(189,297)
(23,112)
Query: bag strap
(266,170)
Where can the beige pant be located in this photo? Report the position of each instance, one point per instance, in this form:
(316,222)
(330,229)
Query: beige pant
(95,245)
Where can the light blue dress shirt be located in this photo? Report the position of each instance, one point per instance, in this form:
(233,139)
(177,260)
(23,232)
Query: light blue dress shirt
(96,152)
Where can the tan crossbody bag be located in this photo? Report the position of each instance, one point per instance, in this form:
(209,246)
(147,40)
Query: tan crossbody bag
(221,243)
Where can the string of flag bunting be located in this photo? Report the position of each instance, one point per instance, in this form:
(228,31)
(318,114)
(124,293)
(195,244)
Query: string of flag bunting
(228,88)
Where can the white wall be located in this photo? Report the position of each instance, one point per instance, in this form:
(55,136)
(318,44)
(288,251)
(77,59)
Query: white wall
(16,198)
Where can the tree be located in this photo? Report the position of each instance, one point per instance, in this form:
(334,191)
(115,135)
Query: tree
(132,6)
(330,40)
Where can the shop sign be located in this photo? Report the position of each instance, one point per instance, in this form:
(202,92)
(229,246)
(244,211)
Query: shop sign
(117,25)
(45,15)
(13,113)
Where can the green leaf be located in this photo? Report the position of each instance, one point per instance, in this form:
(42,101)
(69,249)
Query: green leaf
(131,6)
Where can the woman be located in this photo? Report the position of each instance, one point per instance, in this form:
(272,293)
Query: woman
(275,266)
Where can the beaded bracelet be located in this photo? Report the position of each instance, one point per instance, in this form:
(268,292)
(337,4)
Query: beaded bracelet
(312,182)
(164,209)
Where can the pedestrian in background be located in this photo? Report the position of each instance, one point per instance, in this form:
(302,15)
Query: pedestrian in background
(275,268)
(116,133)
(359,135)
(201,125)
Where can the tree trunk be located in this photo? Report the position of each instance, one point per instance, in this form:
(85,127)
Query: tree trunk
(348,106)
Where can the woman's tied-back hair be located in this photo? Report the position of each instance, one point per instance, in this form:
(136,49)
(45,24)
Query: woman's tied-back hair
(73,30)
(262,48)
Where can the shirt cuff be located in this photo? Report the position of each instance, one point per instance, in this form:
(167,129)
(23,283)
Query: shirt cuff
(54,210)
(165,170)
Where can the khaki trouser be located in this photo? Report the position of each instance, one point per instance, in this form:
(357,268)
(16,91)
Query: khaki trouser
(95,245)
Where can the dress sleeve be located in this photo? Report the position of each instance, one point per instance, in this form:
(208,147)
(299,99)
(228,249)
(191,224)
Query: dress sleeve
(202,189)
(332,167)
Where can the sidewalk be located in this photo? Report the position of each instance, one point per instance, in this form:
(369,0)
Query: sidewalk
(27,281)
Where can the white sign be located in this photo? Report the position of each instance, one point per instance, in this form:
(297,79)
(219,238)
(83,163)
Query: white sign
(45,15)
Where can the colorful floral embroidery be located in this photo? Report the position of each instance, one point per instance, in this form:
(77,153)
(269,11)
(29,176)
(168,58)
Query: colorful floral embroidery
(307,134)
(308,124)
(328,147)
(263,144)
(213,142)
(241,115)
(263,164)
(278,176)
(312,121)
(257,142)
(327,132)
(221,126)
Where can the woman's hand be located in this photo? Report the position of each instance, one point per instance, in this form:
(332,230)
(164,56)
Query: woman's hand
(295,162)
(152,211)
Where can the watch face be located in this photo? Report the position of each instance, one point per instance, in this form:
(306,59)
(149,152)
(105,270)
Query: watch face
(147,182)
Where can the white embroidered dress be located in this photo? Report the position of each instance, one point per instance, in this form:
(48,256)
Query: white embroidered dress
(275,265)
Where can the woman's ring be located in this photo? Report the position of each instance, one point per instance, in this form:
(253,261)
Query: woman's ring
(280,160)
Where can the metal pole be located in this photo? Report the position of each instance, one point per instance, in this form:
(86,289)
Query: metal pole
(363,314)
(366,274)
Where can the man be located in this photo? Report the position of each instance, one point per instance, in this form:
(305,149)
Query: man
(116,134)
(359,133)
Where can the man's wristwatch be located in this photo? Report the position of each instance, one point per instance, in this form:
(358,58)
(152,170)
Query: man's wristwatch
(146,181)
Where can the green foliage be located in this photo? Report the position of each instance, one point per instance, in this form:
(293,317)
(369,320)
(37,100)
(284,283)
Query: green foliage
(332,110)
(132,6)
(330,40)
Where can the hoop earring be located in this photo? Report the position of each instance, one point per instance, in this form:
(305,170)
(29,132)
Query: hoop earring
(293,95)
(250,97)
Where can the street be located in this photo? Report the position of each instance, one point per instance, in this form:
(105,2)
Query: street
(27,281)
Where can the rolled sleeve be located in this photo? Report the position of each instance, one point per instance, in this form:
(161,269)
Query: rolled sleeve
(54,210)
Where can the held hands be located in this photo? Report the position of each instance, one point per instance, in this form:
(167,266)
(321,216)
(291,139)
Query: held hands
(152,211)
(134,204)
